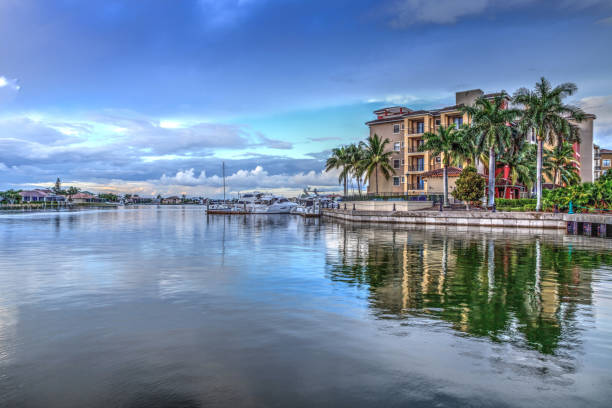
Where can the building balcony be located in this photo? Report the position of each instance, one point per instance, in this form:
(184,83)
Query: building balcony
(418,130)
(416,187)
(414,169)
(413,150)
(597,168)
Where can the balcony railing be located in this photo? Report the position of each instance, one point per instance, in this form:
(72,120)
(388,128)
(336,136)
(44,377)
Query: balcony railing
(413,150)
(418,130)
(416,187)
(416,168)
(597,167)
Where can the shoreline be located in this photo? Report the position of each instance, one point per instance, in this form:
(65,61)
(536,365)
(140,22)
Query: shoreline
(523,220)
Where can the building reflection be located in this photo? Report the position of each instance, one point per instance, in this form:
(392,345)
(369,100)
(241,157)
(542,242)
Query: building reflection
(509,288)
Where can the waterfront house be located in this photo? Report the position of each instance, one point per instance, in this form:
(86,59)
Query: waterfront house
(404,127)
(84,197)
(171,200)
(40,195)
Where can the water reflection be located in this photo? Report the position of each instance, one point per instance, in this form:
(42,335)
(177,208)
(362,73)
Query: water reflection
(506,288)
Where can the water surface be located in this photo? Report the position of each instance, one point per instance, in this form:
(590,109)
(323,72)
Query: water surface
(146,307)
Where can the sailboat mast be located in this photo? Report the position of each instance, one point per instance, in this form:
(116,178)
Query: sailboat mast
(223,181)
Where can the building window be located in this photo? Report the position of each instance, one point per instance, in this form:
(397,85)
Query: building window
(606,162)
(403,179)
(458,122)
(396,181)
(396,164)
(402,162)
(437,122)
(396,128)
(438,159)
(397,146)
(420,127)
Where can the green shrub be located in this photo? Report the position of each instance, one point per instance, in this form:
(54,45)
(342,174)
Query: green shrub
(469,186)
(586,195)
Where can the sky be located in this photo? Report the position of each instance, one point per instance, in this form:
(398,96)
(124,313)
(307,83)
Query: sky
(150,97)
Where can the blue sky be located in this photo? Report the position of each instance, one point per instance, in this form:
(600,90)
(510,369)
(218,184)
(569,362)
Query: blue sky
(151,96)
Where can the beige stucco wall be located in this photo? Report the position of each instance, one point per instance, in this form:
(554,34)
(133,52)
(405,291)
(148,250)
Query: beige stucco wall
(435,185)
(387,205)
(385,131)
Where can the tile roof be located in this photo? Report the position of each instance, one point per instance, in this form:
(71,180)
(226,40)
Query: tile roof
(452,172)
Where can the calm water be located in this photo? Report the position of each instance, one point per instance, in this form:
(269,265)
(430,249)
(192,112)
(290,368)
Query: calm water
(158,307)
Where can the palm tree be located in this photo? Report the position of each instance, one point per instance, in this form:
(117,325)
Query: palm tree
(521,161)
(546,115)
(560,165)
(471,147)
(376,157)
(356,154)
(339,159)
(491,121)
(445,141)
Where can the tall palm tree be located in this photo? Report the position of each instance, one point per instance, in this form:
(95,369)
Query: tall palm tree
(546,115)
(491,121)
(339,159)
(376,158)
(521,161)
(445,141)
(471,147)
(356,154)
(560,165)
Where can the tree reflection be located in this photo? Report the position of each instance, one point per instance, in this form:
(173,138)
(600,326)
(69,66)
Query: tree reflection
(525,291)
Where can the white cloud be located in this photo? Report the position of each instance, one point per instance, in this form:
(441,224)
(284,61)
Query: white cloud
(8,88)
(407,12)
(605,21)
(600,106)
(3,167)
(9,83)
(257,178)
(397,99)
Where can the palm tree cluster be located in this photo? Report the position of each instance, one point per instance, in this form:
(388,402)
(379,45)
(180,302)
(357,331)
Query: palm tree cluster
(497,133)
(363,159)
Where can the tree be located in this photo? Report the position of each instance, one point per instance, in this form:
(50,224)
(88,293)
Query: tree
(560,165)
(491,121)
(12,196)
(109,197)
(340,160)
(469,186)
(356,154)
(445,141)
(471,147)
(57,188)
(376,157)
(520,158)
(72,191)
(546,115)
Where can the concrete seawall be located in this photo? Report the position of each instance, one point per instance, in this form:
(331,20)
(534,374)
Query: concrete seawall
(458,218)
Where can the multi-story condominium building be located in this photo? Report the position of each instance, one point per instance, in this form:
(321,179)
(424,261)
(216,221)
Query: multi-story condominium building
(602,161)
(418,173)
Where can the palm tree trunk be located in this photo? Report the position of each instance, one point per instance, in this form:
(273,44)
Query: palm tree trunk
(359,185)
(539,175)
(377,180)
(345,187)
(491,177)
(445,185)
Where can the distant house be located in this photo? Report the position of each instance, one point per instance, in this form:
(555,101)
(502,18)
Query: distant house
(171,200)
(40,195)
(80,198)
